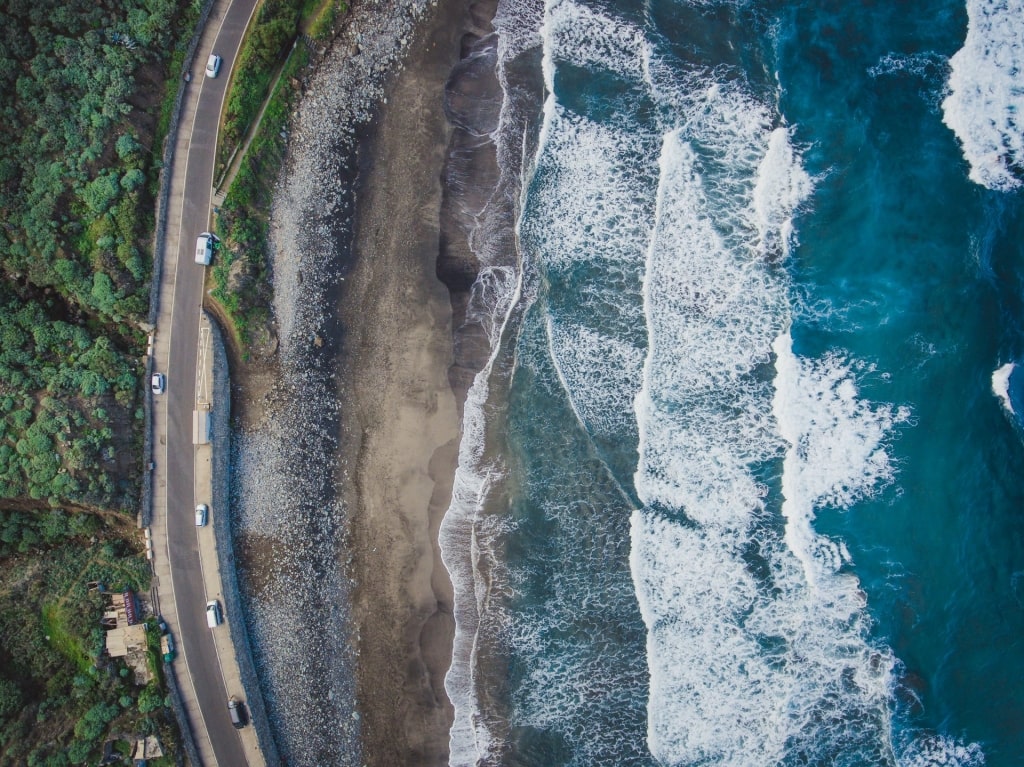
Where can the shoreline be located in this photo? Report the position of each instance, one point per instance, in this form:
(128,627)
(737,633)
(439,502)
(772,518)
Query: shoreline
(403,434)
(348,433)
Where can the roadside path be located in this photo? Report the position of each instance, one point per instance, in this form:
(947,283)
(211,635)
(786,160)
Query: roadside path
(221,189)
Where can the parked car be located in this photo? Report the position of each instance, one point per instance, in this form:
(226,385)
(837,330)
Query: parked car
(204,249)
(213,65)
(202,513)
(158,383)
(167,647)
(237,711)
(213,614)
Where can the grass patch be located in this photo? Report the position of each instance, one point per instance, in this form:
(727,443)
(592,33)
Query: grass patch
(55,624)
(265,46)
(267,43)
(240,276)
(319,20)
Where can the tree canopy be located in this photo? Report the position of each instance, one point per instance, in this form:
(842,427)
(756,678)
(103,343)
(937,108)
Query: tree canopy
(77,120)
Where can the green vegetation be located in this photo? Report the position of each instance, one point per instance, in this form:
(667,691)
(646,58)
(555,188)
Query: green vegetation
(241,284)
(86,89)
(240,276)
(319,17)
(78,147)
(60,696)
(81,83)
(67,403)
(277,25)
(263,50)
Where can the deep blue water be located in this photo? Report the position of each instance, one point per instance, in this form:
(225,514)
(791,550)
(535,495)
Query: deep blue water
(738,487)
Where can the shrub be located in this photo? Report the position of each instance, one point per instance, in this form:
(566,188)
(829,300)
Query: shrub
(150,699)
(101,193)
(10,698)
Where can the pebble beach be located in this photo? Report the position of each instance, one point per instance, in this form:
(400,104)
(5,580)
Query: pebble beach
(345,444)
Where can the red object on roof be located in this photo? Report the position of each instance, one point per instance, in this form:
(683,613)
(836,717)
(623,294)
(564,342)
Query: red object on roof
(131,607)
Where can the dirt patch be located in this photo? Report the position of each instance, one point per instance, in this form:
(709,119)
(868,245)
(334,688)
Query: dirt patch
(255,373)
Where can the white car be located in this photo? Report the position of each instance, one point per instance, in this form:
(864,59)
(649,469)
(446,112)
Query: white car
(158,383)
(213,65)
(202,514)
(213,614)
(204,248)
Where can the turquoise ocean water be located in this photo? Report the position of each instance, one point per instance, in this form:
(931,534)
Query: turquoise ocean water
(742,481)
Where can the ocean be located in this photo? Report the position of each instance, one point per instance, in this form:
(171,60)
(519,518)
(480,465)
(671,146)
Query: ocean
(741,482)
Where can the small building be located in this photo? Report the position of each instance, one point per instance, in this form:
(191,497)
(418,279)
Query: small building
(146,748)
(126,636)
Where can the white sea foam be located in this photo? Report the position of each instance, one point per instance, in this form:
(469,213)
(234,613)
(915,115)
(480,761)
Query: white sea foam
(835,453)
(782,186)
(1001,385)
(745,672)
(757,644)
(466,537)
(469,532)
(925,65)
(750,659)
(609,367)
(590,221)
(595,175)
(518,25)
(574,33)
(576,647)
(712,313)
(985,106)
(941,751)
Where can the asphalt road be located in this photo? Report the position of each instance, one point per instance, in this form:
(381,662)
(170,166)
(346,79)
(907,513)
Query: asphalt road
(189,589)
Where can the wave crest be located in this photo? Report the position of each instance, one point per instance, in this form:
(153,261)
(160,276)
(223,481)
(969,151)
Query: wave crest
(985,105)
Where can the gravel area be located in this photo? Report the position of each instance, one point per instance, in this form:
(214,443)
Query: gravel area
(312,214)
(222,524)
(290,522)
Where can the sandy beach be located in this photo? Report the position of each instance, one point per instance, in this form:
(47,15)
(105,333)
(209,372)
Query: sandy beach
(352,425)
(401,418)
(403,414)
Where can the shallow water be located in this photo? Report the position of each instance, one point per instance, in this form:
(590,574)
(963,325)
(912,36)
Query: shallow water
(741,485)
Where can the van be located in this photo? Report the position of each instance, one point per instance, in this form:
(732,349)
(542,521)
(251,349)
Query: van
(236,709)
(202,513)
(204,248)
(213,616)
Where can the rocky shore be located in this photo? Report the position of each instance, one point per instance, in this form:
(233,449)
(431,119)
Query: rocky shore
(345,440)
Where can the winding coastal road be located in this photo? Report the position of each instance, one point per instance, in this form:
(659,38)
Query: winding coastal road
(176,490)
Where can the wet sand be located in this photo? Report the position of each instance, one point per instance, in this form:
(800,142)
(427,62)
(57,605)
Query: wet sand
(401,430)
